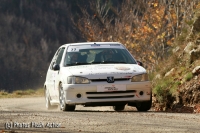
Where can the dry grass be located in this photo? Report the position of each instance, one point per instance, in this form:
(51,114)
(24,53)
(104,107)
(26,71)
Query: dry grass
(22,93)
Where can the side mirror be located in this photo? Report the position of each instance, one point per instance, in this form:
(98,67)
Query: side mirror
(56,67)
(140,63)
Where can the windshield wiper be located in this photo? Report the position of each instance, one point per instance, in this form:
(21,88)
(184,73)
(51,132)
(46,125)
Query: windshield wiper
(96,62)
(107,62)
(103,62)
(70,64)
(78,63)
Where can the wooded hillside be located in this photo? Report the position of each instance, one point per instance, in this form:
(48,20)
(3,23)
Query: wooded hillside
(31,31)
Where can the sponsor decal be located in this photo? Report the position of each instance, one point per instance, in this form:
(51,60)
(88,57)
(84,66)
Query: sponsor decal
(99,73)
(122,68)
(111,88)
(99,68)
(106,88)
(78,67)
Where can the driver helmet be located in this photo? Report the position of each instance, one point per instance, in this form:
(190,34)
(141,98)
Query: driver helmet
(74,57)
(108,54)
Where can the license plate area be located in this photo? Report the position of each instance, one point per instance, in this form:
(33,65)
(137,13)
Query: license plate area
(110,88)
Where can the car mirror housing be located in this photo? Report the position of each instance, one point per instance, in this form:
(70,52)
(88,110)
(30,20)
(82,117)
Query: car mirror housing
(139,63)
(56,67)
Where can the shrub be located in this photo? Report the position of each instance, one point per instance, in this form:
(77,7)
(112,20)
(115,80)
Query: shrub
(173,89)
(162,89)
(24,92)
(188,76)
(2,92)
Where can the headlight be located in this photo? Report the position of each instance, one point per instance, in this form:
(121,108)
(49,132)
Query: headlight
(140,78)
(77,80)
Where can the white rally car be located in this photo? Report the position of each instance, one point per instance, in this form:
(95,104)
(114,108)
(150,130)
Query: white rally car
(96,74)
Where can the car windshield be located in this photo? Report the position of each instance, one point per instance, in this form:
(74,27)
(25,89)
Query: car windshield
(98,56)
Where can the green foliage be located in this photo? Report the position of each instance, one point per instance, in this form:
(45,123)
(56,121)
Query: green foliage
(165,88)
(181,39)
(185,31)
(189,22)
(183,35)
(188,76)
(173,89)
(162,89)
(151,76)
(159,91)
(182,68)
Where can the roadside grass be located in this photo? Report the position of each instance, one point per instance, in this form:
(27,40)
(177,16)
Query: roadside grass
(188,76)
(167,87)
(162,89)
(22,93)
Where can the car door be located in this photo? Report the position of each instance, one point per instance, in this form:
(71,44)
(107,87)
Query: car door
(53,89)
(56,73)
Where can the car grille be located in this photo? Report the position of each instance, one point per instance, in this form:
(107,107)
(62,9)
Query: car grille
(119,79)
(109,95)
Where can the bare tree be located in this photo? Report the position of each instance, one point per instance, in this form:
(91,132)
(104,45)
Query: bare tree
(147,28)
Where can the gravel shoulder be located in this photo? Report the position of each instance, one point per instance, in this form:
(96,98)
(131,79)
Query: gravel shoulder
(30,115)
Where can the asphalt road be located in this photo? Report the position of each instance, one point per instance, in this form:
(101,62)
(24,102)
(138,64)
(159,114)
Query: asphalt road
(30,115)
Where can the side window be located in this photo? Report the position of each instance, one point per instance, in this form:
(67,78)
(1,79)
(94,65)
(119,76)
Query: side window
(57,58)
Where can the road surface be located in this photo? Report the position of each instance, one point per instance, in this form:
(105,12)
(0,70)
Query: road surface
(30,115)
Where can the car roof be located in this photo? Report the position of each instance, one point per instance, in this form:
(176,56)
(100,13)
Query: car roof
(90,43)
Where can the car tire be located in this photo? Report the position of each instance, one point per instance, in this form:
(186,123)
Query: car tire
(63,105)
(144,106)
(119,107)
(47,100)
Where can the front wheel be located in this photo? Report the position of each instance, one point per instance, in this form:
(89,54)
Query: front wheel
(63,105)
(144,106)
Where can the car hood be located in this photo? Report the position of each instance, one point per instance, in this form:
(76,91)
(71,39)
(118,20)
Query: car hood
(103,70)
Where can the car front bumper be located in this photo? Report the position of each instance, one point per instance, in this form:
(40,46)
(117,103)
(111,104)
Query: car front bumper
(87,94)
